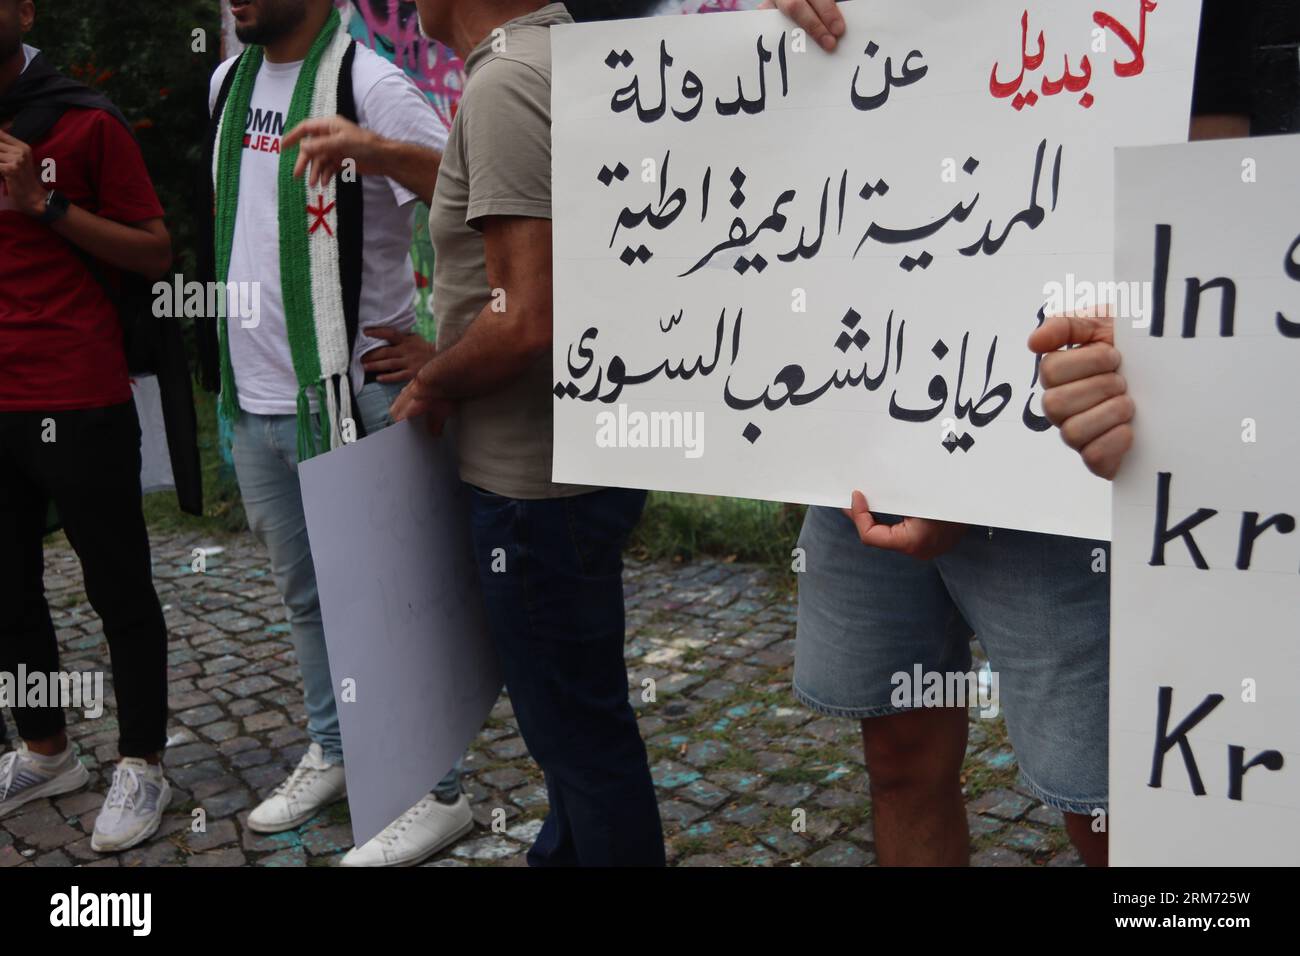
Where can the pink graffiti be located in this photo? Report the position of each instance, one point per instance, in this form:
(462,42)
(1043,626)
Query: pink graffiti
(391,28)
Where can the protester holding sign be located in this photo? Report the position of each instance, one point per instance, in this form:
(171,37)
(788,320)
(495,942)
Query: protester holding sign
(75,198)
(317,142)
(1039,604)
(914,596)
(549,555)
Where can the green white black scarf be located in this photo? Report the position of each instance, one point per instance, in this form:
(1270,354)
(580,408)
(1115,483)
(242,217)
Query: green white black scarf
(320,340)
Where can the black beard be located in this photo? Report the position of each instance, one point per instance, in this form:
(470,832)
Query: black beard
(278,19)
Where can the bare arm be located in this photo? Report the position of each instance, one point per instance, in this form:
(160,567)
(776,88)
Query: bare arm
(144,247)
(498,346)
(325,144)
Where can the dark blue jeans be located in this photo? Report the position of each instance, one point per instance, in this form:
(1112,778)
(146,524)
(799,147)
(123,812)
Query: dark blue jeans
(552,573)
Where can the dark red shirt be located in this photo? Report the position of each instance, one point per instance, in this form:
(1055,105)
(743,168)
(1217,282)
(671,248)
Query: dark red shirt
(60,335)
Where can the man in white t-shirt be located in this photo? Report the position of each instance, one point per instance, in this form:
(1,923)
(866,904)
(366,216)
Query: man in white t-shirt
(395,148)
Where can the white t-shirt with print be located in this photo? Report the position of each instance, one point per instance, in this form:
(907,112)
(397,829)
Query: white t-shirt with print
(392,106)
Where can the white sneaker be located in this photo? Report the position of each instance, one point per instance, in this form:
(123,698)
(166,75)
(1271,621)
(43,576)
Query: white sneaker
(313,785)
(416,835)
(133,808)
(25,776)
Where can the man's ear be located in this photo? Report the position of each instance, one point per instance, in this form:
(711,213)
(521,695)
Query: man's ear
(26,15)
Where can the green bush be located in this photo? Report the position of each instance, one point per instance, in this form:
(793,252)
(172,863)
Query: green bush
(142,56)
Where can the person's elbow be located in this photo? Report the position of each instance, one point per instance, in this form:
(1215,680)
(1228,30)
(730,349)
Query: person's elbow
(156,256)
(161,258)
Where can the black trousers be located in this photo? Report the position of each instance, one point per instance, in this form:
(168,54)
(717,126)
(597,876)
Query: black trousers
(88,463)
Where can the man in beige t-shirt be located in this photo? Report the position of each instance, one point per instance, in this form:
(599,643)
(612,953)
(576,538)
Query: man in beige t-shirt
(549,556)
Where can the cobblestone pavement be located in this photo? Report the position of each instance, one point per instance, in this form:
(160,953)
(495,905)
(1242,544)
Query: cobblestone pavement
(735,758)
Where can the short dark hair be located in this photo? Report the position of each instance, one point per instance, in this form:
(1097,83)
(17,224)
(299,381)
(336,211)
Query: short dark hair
(584,11)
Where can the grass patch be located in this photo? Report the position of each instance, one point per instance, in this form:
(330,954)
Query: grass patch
(223,509)
(681,527)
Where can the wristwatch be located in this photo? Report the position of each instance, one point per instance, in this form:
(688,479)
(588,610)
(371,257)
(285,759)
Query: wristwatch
(56,207)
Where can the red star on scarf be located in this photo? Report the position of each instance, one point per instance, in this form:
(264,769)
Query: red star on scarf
(320,211)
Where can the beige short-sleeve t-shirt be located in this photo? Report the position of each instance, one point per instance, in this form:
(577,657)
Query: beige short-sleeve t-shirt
(498,163)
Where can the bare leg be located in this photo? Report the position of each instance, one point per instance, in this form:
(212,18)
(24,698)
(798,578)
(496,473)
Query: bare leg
(914,761)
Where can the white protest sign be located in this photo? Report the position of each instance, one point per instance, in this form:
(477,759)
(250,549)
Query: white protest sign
(785,274)
(414,671)
(155,456)
(1205,595)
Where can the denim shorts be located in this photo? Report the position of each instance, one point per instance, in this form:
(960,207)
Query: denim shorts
(1039,604)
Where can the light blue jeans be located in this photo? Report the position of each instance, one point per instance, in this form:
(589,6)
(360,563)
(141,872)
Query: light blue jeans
(266,463)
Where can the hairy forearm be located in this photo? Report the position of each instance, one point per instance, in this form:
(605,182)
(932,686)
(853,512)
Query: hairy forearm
(415,167)
(146,251)
(496,349)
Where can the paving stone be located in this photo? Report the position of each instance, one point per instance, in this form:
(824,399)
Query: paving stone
(770,762)
(525,833)
(506,778)
(292,856)
(981,826)
(216,834)
(788,795)
(511,749)
(863,834)
(739,781)
(225,856)
(998,856)
(1045,815)
(715,690)
(529,798)
(1067,857)
(747,815)
(836,799)
(222,730)
(486,814)
(786,842)
(327,840)
(1003,804)
(227,803)
(733,754)
(486,848)
(706,753)
(679,813)
(189,753)
(266,720)
(840,854)
(1026,840)
(705,793)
